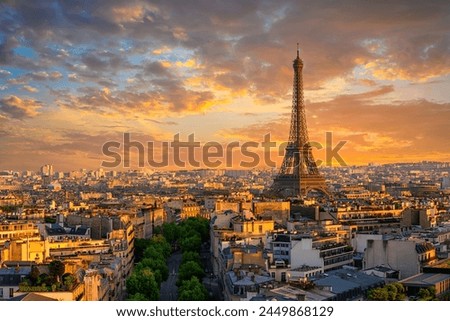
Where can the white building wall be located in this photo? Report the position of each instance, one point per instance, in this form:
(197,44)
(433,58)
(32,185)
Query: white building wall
(302,253)
(359,243)
(396,254)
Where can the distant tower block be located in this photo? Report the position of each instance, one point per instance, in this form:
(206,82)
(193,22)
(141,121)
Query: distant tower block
(298,174)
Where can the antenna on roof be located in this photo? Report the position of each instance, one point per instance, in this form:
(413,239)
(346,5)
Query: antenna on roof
(298,50)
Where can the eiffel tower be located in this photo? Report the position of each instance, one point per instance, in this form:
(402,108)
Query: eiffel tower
(298,173)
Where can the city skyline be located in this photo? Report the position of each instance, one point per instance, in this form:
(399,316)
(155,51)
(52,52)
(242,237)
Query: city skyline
(74,77)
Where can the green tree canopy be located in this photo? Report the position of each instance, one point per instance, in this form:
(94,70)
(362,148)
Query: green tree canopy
(137,297)
(188,270)
(197,224)
(427,294)
(191,256)
(171,232)
(155,264)
(378,294)
(191,243)
(34,275)
(390,292)
(154,252)
(69,281)
(399,286)
(159,242)
(192,290)
(143,281)
(139,247)
(56,269)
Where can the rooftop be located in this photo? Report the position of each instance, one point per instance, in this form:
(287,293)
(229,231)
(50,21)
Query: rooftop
(306,268)
(343,280)
(292,293)
(21,270)
(426,279)
(248,279)
(32,297)
(424,247)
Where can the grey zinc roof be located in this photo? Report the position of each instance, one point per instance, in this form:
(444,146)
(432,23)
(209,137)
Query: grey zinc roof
(337,284)
(22,270)
(343,280)
(259,279)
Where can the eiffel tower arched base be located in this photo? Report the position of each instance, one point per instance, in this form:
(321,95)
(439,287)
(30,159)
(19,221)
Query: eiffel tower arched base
(291,186)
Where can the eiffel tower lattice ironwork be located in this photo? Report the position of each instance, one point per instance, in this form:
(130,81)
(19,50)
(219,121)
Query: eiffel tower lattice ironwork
(298,173)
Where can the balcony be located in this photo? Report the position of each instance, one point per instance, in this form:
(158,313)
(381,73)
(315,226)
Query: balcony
(334,249)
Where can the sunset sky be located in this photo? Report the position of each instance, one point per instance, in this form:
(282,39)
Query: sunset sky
(77,74)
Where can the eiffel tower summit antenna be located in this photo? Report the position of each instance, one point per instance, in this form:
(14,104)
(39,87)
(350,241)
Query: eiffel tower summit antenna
(298,173)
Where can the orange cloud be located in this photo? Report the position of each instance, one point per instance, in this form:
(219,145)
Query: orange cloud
(389,69)
(381,132)
(19,108)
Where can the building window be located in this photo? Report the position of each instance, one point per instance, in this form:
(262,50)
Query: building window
(11,292)
(283,276)
(1,292)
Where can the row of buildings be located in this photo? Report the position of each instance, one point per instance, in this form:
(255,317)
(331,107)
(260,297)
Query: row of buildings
(380,225)
(326,251)
(99,265)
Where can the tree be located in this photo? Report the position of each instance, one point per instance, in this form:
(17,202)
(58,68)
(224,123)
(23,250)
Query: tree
(139,247)
(378,294)
(69,281)
(45,279)
(197,224)
(171,232)
(188,270)
(154,252)
(191,243)
(427,294)
(191,256)
(160,243)
(192,290)
(137,297)
(399,286)
(143,281)
(401,295)
(56,269)
(156,265)
(34,275)
(392,292)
